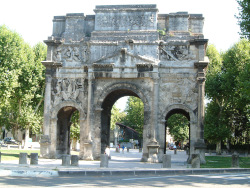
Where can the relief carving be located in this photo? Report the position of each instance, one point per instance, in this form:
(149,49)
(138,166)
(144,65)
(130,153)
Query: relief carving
(57,54)
(184,92)
(175,53)
(85,53)
(67,89)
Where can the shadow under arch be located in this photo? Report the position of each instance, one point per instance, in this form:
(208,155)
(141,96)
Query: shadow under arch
(61,114)
(106,101)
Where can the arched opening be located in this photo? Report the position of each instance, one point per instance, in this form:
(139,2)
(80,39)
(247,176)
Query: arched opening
(64,122)
(107,105)
(177,129)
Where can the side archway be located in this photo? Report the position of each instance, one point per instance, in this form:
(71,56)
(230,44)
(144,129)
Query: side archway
(60,126)
(178,109)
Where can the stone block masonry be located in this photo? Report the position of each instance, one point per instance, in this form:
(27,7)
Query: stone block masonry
(123,50)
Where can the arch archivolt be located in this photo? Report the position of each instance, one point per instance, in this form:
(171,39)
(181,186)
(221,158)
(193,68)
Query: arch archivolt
(181,107)
(55,110)
(109,88)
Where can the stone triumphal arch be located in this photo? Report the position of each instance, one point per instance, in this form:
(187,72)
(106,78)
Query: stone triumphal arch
(123,50)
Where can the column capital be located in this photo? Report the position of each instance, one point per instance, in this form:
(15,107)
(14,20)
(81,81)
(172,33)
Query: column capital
(201,65)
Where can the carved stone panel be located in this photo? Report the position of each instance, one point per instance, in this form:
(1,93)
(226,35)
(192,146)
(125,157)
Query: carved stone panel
(175,53)
(66,89)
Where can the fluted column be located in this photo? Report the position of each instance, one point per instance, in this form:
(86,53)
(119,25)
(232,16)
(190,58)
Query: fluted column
(47,102)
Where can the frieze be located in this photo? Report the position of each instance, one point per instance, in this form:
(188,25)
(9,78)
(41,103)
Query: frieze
(71,53)
(125,20)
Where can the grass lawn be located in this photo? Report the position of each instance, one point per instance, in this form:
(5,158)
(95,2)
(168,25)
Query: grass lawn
(13,154)
(224,162)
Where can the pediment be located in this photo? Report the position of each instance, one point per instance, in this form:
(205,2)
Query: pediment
(124,57)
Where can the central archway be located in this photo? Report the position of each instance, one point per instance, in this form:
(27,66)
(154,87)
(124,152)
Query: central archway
(106,114)
(107,100)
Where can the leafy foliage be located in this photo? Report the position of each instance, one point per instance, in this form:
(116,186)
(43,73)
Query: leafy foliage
(134,114)
(75,126)
(116,117)
(178,127)
(244,17)
(21,82)
(227,87)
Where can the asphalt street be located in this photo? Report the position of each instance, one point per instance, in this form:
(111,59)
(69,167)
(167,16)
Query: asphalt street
(205,181)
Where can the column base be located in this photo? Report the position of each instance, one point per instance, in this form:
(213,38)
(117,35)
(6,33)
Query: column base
(200,148)
(153,151)
(45,146)
(87,153)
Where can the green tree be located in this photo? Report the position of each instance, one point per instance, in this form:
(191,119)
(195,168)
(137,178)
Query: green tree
(116,117)
(215,92)
(135,114)
(244,17)
(75,126)
(178,127)
(236,68)
(227,87)
(21,82)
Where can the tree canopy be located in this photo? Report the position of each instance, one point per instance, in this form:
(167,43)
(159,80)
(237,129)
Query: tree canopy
(21,82)
(244,17)
(227,87)
(178,127)
(134,114)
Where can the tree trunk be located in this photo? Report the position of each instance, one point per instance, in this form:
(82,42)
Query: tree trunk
(218,148)
(26,140)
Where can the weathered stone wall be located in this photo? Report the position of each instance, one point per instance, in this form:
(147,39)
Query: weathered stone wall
(94,60)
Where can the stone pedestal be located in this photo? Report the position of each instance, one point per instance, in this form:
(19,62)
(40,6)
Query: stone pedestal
(66,160)
(23,158)
(104,161)
(152,152)
(166,161)
(87,151)
(235,160)
(200,148)
(34,158)
(74,160)
(44,146)
(195,161)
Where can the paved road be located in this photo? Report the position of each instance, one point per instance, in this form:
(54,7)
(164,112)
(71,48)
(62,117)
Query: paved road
(205,181)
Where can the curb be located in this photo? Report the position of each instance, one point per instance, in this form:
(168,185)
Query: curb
(152,172)
(93,173)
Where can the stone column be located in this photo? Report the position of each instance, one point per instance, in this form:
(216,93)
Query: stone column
(153,145)
(87,152)
(53,138)
(199,145)
(47,103)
